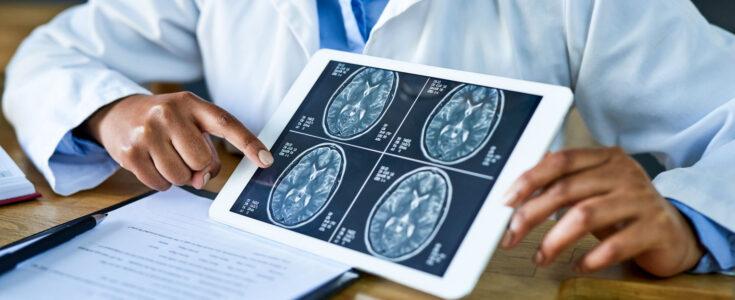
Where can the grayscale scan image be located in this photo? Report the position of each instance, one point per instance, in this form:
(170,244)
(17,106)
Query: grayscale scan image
(306,185)
(360,102)
(462,123)
(408,215)
(390,164)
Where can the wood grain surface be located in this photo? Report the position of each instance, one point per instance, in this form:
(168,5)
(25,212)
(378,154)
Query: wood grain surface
(509,275)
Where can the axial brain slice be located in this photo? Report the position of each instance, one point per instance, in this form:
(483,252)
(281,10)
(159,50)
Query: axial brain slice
(306,186)
(461,123)
(360,103)
(408,214)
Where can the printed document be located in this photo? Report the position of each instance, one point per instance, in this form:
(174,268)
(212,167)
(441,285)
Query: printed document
(165,247)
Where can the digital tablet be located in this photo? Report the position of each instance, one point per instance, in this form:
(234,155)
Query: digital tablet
(395,168)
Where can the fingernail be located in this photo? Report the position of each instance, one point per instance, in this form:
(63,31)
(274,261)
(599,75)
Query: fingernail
(539,258)
(515,225)
(510,195)
(265,157)
(205,179)
(512,230)
(507,239)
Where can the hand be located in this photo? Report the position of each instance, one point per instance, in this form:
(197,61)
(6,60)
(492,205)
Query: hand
(609,195)
(164,139)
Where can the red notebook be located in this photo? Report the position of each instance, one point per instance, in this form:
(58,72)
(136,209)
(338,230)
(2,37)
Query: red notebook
(14,186)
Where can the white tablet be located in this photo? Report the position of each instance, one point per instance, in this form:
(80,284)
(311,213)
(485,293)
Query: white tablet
(397,169)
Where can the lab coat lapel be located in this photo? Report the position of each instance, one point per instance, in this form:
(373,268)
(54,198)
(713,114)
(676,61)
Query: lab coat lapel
(392,10)
(302,19)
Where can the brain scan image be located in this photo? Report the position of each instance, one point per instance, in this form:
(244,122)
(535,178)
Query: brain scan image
(462,123)
(359,103)
(408,215)
(306,185)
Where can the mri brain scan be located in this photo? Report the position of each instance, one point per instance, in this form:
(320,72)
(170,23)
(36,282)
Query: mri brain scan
(462,123)
(408,215)
(360,102)
(306,185)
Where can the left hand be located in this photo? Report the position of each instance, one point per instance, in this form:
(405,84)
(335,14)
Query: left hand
(609,195)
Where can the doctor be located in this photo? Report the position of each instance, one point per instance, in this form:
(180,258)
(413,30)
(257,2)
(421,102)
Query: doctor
(648,76)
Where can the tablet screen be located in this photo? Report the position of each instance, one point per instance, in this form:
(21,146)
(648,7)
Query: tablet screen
(390,164)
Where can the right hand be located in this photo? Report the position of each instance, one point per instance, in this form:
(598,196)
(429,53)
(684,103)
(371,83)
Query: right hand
(164,139)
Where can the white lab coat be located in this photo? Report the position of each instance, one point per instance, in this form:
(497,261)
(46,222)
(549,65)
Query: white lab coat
(650,76)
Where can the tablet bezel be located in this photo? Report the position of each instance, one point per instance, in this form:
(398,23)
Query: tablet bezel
(489,225)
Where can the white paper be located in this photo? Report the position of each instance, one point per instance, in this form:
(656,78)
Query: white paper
(8,168)
(13,182)
(166,247)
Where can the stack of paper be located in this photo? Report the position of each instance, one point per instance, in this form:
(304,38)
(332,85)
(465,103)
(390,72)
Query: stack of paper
(14,186)
(165,247)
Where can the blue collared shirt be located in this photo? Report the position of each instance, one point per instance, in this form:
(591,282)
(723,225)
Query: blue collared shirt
(345,25)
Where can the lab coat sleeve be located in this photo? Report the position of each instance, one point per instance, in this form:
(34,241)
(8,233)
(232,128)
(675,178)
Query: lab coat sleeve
(87,57)
(656,77)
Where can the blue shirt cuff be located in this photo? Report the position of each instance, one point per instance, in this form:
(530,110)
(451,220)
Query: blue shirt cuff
(717,240)
(70,144)
(79,164)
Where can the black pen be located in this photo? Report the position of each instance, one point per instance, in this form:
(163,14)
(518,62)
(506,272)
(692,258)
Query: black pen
(10,260)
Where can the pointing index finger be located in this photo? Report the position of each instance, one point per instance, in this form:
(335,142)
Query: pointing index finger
(218,122)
